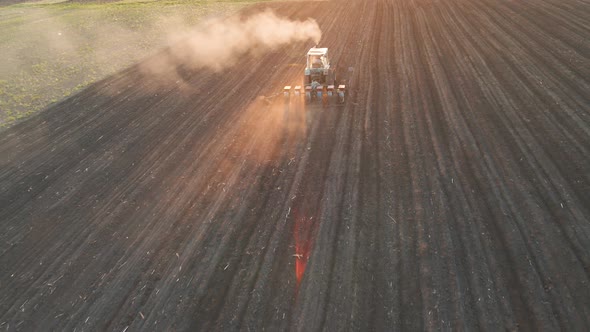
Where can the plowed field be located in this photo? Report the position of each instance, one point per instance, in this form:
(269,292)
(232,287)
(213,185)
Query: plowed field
(450,191)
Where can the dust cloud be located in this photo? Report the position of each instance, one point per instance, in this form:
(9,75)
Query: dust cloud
(219,43)
(51,53)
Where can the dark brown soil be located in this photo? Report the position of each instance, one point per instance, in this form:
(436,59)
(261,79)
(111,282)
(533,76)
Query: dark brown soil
(450,191)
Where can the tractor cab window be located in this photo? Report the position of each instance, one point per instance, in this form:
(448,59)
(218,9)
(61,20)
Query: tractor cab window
(316,61)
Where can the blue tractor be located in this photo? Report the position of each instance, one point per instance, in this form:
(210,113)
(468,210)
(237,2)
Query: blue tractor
(320,82)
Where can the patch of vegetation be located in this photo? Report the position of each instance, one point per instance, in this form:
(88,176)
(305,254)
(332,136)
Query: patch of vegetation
(53,49)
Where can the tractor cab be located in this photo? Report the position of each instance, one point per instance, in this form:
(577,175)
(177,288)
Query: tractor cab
(317,58)
(318,67)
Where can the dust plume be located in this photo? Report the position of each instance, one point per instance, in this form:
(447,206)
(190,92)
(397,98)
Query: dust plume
(219,43)
(52,52)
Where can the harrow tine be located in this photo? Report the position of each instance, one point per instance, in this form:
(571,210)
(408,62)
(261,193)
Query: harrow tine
(341,93)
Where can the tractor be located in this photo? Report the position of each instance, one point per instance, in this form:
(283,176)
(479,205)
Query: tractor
(319,83)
